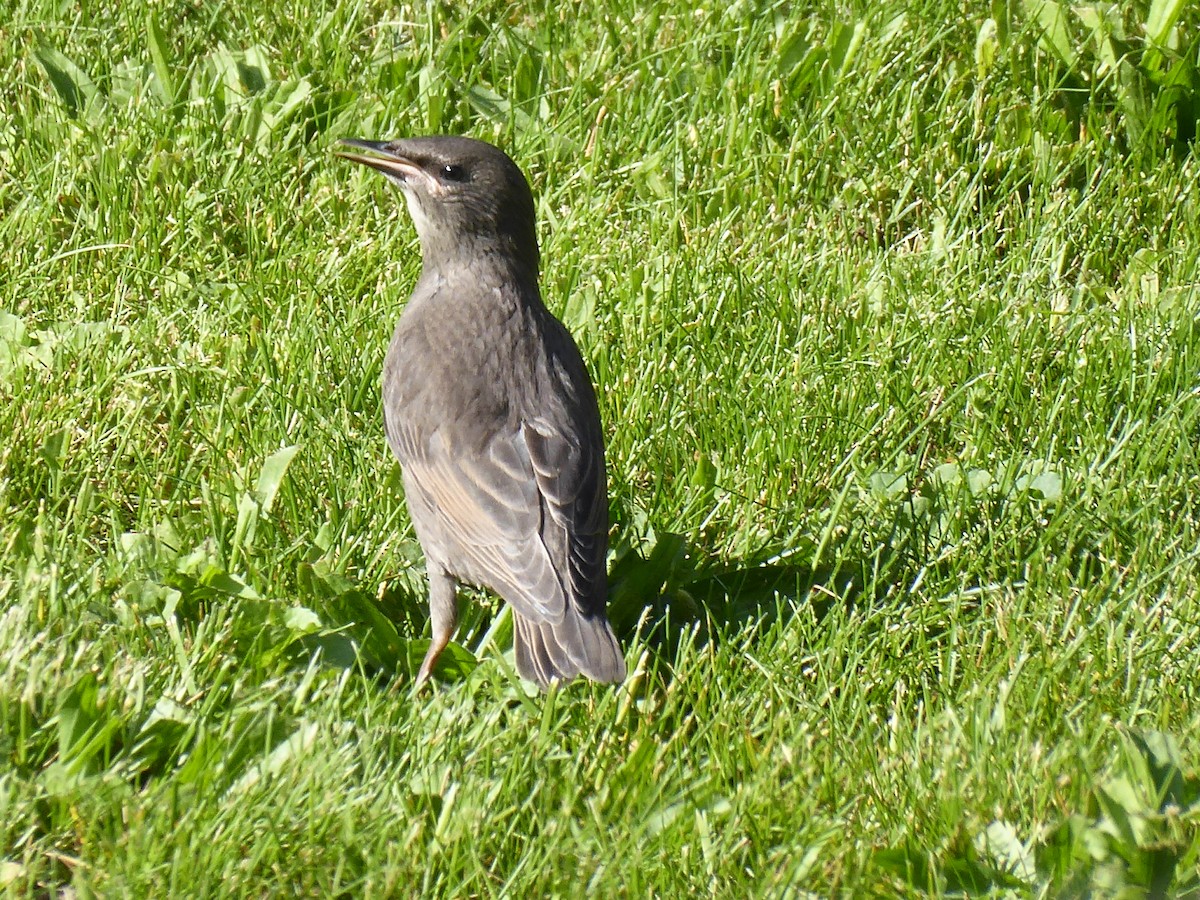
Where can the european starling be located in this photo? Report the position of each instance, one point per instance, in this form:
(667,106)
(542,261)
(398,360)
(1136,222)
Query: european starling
(492,415)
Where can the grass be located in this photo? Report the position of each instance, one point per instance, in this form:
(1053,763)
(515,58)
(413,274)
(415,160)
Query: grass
(893,312)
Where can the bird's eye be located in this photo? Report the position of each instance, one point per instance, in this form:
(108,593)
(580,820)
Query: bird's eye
(454,173)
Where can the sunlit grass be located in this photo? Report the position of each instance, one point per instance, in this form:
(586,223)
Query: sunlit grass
(897,350)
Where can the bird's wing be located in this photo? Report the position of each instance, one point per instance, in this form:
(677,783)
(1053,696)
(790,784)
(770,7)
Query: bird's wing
(526,514)
(574,493)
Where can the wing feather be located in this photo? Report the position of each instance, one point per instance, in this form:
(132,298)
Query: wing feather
(501,519)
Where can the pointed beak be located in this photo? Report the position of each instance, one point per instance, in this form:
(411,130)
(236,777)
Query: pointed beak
(380,155)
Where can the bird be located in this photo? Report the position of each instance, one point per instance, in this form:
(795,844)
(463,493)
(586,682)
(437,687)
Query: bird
(489,408)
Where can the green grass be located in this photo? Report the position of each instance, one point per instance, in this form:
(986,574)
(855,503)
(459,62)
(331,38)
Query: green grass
(894,314)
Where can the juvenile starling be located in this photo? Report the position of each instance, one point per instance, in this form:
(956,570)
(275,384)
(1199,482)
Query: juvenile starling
(491,413)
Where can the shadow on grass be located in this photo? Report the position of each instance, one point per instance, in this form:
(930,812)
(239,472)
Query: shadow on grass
(666,591)
(662,591)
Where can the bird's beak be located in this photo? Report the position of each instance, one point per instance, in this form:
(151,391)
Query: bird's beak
(382,156)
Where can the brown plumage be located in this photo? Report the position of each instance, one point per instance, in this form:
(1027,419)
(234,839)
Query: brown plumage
(492,415)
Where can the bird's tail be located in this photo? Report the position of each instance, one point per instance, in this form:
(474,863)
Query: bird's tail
(574,646)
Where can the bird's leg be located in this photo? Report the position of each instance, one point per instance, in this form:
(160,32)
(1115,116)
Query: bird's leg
(443,614)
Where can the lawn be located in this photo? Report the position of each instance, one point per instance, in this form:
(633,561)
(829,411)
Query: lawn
(894,314)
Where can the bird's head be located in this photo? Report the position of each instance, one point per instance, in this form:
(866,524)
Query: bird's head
(467,198)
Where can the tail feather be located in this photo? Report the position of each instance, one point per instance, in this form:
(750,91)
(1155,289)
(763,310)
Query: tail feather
(572,647)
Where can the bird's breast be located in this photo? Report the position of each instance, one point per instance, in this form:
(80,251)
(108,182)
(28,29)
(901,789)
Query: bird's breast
(457,368)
